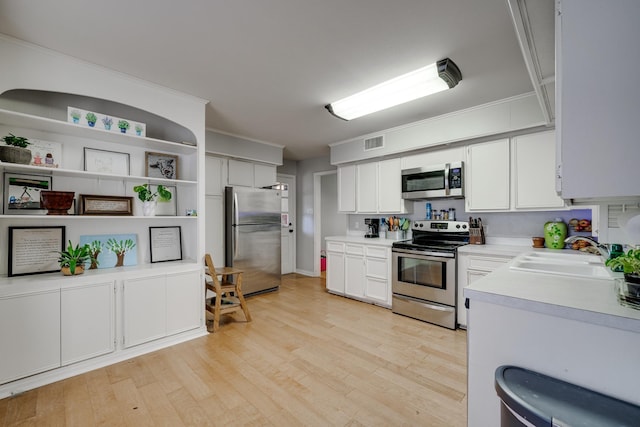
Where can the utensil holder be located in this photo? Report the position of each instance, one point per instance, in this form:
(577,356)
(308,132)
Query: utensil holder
(396,235)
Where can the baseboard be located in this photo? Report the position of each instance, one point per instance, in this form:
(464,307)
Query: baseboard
(306,273)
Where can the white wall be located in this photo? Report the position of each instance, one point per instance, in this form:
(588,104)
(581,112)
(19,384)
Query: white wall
(332,222)
(232,146)
(304,208)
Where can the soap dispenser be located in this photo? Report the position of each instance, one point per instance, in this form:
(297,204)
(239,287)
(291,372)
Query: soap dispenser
(555,232)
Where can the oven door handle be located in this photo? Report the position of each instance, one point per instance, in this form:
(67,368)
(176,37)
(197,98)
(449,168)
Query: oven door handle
(433,256)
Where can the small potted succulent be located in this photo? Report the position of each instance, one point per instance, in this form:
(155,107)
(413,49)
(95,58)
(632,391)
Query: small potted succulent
(123,125)
(75,115)
(138,128)
(149,198)
(73,259)
(91,119)
(107,122)
(120,248)
(16,150)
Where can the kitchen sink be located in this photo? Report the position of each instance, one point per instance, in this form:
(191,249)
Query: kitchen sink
(563,264)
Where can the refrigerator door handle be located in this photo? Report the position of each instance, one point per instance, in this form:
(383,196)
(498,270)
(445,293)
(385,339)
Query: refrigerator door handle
(236,221)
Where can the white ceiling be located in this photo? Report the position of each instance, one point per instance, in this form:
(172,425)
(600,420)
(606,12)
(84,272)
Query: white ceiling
(268,67)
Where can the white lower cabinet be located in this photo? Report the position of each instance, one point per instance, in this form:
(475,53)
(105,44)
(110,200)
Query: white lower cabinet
(161,305)
(378,274)
(472,267)
(359,271)
(184,301)
(144,309)
(354,271)
(30,331)
(335,267)
(87,321)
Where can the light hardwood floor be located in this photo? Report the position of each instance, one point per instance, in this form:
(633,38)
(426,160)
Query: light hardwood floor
(307,358)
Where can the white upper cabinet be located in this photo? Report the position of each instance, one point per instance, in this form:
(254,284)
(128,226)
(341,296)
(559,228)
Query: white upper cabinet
(249,174)
(240,173)
(347,188)
(373,187)
(534,166)
(214,172)
(367,193)
(264,175)
(487,176)
(598,98)
(514,175)
(390,187)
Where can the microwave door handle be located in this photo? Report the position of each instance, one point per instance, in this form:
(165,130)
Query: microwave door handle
(447,190)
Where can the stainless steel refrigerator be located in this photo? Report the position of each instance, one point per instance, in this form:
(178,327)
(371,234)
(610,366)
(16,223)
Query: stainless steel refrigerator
(252,237)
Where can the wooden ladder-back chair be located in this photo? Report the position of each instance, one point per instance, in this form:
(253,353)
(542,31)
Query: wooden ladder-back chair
(228,289)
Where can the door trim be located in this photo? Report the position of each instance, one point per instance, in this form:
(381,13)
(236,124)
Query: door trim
(292,208)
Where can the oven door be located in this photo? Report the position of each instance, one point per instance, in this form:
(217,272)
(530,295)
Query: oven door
(425,277)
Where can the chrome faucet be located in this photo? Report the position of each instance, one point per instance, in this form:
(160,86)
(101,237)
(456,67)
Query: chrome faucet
(602,248)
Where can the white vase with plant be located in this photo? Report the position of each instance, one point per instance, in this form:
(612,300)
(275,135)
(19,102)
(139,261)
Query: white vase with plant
(149,198)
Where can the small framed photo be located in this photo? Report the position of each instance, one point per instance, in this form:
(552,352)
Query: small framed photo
(161,165)
(34,250)
(169,208)
(165,243)
(105,205)
(103,161)
(46,154)
(22,193)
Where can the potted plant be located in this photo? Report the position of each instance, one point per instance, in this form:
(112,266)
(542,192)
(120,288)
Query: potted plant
(149,198)
(73,259)
(91,119)
(75,115)
(120,248)
(138,128)
(629,263)
(123,125)
(16,150)
(107,122)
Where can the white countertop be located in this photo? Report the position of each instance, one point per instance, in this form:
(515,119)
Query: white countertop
(363,240)
(582,299)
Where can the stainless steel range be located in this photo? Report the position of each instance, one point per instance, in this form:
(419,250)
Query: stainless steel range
(424,271)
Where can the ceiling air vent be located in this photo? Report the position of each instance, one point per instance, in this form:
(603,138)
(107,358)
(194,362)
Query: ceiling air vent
(373,143)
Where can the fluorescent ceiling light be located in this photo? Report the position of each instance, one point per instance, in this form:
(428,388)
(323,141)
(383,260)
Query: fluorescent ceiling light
(416,84)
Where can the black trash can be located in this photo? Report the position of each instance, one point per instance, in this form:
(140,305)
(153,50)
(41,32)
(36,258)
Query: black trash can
(532,399)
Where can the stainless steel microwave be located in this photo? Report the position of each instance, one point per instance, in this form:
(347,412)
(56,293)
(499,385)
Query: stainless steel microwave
(437,181)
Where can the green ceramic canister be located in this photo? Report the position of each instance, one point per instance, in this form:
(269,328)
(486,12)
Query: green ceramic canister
(554,234)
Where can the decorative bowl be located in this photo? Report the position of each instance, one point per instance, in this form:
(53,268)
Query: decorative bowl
(56,202)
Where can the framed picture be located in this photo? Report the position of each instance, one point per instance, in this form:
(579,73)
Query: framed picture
(165,243)
(46,154)
(103,161)
(113,250)
(34,250)
(105,205)
(169,208)
(161,165)
(105,122)
(22,193)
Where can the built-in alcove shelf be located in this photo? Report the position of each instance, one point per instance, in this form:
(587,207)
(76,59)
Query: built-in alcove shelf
(45,124)
(40,170)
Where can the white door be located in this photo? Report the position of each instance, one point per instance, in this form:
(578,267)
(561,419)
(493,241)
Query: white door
(288,188)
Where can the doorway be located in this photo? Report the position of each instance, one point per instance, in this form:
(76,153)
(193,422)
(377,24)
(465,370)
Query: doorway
(326,218)
(287,186)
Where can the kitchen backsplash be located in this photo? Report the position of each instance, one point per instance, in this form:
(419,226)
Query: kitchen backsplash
(497,224)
